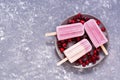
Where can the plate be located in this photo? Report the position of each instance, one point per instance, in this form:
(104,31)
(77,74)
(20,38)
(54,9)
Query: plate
(95,56)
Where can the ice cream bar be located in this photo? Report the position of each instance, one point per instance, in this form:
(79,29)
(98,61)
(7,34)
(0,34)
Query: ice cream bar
(76,51)
(95,34)
(68,31)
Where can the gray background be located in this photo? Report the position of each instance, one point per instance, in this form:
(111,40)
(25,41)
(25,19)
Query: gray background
(25,54)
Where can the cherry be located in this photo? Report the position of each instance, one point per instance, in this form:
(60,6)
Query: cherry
(78,20)
(88,54)
(93,60)
(103,29)
(61,49)
(90,60)
(95,51)
(78,15)
(62,41)
(98,49)
(59,43)
(97,58)
(82,21)
(86,18)
(83,64)
(71,21)
(64,45)
(87,62)
(69,40)
(80,61)
(78,39)
(98,22)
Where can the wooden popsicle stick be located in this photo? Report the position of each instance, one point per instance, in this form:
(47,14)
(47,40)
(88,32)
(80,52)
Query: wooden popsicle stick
(62,61)
(104,50)
(51,34)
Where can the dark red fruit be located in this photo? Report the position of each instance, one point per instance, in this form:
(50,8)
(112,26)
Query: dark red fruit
(64,45)
(83,64)
(86,18)
(78,39)
(103,29)
(82,21)
(62,41)
(80,61)
(97,57)
(78,15)
(88,54)
(87,62)
(59,43)
(95,51)
(98,22)
(69,40)
(78,20)
(93,60)
(71,21)
(61,49)
(90,60)
(98,49)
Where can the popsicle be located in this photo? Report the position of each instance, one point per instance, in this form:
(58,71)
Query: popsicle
(68,31)
(76,51)
(95,34)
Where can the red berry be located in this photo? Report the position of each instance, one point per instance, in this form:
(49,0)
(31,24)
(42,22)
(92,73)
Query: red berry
(95,51)
(64,45)
(59,43)
(93,60)
(87,62)
(90,60)
(103,29)
(62,41)
(78,15)
(83,64)
(88,54)
(98,22)
(71,21)
(98,49)
(78,20)
(82,21)
(80,61)
(78,38)
(97,57)
(69,40)
(61,49)
(87,18)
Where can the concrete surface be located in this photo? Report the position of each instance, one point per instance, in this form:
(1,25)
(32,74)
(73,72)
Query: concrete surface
(25,54)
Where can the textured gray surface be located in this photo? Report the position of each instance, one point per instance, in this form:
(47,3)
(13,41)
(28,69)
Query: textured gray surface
(24,54)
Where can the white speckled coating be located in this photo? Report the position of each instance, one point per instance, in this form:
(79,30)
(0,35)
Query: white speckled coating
(24,54)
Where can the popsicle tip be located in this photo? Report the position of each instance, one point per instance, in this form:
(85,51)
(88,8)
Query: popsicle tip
(51,34)
(106,53)
(46,34)
(104,50)
(58,64)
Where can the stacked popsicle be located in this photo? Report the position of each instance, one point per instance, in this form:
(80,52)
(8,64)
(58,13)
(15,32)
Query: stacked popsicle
(82,47)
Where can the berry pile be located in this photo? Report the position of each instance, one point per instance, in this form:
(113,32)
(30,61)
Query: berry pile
(90,57)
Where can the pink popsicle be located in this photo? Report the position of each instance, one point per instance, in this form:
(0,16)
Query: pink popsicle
(95,34)
(68,31)
(76,51)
